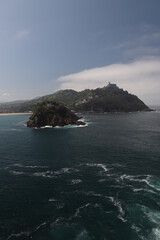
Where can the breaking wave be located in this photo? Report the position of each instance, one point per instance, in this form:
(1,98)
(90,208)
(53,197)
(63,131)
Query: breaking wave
(117,203)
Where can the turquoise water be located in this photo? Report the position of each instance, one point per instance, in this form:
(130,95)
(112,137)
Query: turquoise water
(99,182)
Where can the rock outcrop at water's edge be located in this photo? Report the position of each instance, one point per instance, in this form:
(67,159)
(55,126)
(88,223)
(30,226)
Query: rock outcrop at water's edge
(50,113)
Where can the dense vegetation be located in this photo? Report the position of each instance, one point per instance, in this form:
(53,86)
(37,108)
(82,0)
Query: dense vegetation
(50,113)
(106,99)
(111,99)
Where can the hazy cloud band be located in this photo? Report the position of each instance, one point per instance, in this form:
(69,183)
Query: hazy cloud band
(141,77)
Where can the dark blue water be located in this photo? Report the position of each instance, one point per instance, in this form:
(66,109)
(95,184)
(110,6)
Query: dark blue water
(100,182)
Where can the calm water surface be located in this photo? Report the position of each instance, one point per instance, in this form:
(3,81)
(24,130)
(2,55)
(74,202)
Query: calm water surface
(100,182)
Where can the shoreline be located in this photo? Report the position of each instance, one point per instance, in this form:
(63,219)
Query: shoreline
(8,114)
(78,113)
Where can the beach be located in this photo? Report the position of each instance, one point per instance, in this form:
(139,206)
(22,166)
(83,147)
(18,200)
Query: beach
(8,114)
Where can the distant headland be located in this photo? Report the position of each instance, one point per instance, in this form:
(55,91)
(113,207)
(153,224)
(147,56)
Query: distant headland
(110,98)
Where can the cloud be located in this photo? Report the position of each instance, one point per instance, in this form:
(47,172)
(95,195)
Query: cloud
(5,94)
(142,51)
(155,36)
(141,77)
(22,34)
(145,44)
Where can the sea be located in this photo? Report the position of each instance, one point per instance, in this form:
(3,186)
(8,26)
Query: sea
(95,182)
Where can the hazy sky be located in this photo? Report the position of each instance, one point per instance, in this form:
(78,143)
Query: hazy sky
(47,45)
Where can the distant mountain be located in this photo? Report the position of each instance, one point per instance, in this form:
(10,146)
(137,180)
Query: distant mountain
(107,99)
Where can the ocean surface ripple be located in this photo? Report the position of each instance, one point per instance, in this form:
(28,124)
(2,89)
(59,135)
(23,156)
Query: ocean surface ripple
(93,183)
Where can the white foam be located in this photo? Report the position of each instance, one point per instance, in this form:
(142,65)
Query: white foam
(53,174)
(56,222)
(47,174)
(103,167)
(44,127)
(47,126)
(118,204)
(142,190)
(17,235)
(52,200)
(34,166)
(128,177)
(82,235)
(17,173)
(97,205)
(17,165)
(154,217)
(69,126)
(156,233)
(134,227)
(58,127)
(27,166)
(81,120)
(66,170)
(137,178)
(138,189)
(75,126)
(99,165)
(153,182)
(75,181)
(82,126)
(117,165)
(138,230)
(41,226)
(60,206)
(101,180)
(149,180)
(91,193)
(77,214)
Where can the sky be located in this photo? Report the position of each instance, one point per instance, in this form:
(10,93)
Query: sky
(48,45)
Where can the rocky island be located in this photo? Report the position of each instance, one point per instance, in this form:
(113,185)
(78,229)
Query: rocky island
(50,113)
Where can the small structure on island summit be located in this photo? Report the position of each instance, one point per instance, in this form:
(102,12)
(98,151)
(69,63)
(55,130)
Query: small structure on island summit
(50,113)
(112,85)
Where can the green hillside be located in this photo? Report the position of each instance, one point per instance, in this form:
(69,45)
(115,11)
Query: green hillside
(107,99)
